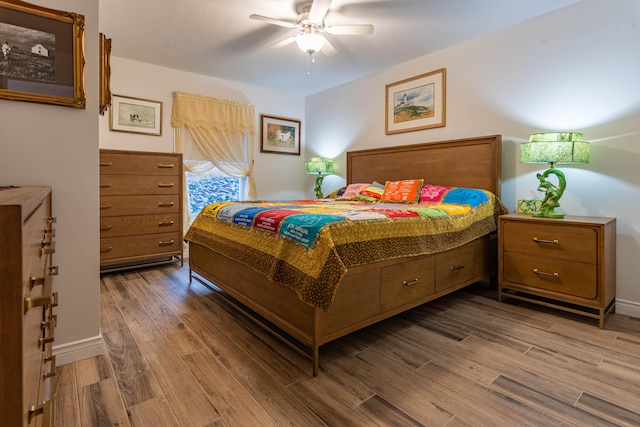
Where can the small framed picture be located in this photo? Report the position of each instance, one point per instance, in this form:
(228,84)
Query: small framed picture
(279,135)
(136,115)
(41,55)
(416,103)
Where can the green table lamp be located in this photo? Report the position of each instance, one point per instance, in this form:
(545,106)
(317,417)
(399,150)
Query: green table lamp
(553,148)
(320,166)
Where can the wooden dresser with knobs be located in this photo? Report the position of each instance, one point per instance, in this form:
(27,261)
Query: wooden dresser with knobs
(567,264)
(140,209)
(27,300)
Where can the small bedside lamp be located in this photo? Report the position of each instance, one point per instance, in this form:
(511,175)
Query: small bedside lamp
(320,166)
(552,148)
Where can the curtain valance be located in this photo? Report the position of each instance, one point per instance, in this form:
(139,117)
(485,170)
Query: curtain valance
(198,111)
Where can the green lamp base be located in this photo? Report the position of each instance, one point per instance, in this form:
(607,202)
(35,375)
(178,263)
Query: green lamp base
(552,193)
(318,187)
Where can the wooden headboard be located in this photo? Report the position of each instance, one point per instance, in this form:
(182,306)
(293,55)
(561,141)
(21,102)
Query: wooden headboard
(470,162)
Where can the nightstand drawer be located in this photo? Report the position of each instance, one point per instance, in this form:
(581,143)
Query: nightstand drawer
(403,283)
(565,277)
(551,240)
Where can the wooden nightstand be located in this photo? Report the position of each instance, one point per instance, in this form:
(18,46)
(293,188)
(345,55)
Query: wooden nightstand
(568,264)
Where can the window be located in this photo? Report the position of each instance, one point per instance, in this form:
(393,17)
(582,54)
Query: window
(210,187)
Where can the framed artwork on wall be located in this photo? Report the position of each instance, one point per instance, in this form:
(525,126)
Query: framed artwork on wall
(416,103)
(135,115)
(41,56)
(105,73)
(279,135)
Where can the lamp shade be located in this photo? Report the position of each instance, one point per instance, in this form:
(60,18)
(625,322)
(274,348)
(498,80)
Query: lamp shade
(555,147)
(310,42)
(319,166)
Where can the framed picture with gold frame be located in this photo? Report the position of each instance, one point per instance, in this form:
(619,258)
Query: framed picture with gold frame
(416,103)
(41,55)
(105,73)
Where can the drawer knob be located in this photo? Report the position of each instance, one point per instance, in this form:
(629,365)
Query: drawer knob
(169,185)
(107,249)
(165,205)
(552,242)
(412,282)
(106,228)
(105,185)
(106,164)
(457,268)
(543,273)
(169,166)
(169,243)
(165,223)
(105,207)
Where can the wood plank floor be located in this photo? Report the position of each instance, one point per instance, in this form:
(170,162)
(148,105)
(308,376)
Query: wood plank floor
(179,355)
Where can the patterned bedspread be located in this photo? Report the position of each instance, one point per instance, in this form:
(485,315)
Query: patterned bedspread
(308,245)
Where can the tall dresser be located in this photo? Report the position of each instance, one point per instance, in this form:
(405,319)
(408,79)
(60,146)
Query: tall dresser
(27,300)
(140,209)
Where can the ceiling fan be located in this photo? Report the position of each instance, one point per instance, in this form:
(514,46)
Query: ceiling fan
(310,26)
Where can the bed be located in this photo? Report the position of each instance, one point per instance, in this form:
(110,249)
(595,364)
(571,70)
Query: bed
(310,302)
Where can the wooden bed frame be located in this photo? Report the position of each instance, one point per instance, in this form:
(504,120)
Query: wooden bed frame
(373,292)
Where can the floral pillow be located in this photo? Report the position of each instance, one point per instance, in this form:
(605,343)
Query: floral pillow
(351,191)
(405,191)
(432,193)
(371,193)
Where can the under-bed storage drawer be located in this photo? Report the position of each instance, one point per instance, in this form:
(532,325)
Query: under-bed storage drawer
(454,267)
(409,281)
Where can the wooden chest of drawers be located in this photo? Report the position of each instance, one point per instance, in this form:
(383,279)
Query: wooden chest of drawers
(568,263)
(140,209)
(27,300)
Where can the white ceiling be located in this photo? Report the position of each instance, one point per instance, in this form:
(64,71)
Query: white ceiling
(217,38)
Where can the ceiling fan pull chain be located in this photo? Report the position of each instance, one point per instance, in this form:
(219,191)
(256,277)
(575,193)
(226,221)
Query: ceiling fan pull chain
(309,61)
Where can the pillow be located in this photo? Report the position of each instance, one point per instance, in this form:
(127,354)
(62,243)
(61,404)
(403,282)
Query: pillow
(351,191)
(432,193)
(339,192)
(406,191)
(371,193)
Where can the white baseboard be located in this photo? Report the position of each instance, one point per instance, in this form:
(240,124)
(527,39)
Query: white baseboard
(628,308)
(78,350)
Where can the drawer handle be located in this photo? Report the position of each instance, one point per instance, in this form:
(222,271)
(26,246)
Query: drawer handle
(109,249)
(165,223)
(169,166)
(553,242)
(52,367)
(107,228)
(52,220)
(412,282)
(106,185)
(543,273)
(106,206)
(41,301)
(457,268)
(169,185)
(106,164)
(165,204)
(169,243)
(47,410)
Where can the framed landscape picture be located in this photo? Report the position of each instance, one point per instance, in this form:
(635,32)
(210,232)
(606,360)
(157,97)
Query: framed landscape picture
(416,103)
(135,115)
(41,55)
(279,135)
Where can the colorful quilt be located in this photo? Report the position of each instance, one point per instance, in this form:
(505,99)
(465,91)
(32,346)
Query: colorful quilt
(309,245)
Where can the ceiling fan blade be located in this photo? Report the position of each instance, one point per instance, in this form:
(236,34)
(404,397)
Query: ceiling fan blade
(283,43)
(365,29)
(328,48)
(319,9)
(274,21)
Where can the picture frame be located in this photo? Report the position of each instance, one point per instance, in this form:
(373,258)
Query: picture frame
(416,103)
(135,115)
(279,135)
(105,73)
(42,55)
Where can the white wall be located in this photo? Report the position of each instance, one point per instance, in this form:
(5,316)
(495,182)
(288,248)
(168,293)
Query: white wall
(277,176)
(574,69)
(57,146)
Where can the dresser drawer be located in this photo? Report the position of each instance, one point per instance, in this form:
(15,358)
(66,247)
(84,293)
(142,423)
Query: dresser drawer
(454,267)
(403,283)
(119,226)
(551,240)
(139,164)
(561,276)
(139,205)
(120,185)
(138,246)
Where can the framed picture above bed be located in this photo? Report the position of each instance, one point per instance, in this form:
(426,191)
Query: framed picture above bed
(41,55)
(135,115)
(279,135)
(416,103)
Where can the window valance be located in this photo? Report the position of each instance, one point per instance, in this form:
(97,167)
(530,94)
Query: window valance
(198,111)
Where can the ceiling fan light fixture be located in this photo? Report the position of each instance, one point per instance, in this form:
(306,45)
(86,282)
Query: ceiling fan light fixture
(310,42)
